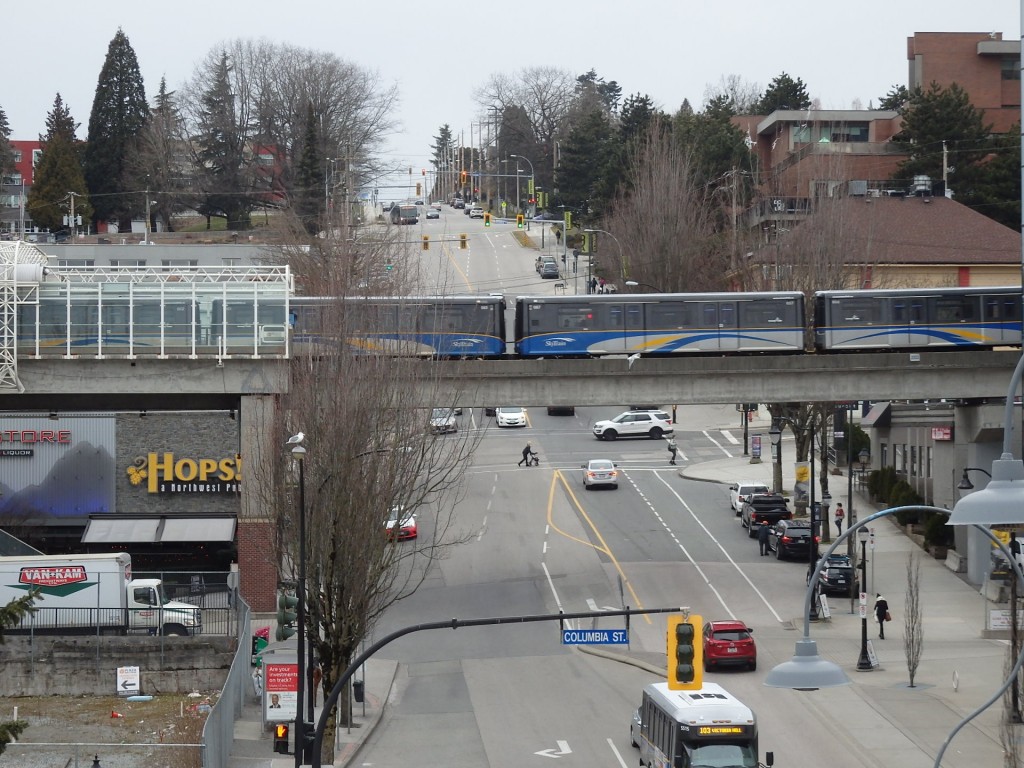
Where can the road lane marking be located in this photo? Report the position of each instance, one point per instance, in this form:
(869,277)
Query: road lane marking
(611,745)
(717,444)
(556,478)
(728,435)
(711,536)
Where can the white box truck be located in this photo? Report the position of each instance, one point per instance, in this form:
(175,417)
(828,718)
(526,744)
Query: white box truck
(81,594)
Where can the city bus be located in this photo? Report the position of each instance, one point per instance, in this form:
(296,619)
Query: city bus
(704,727)
(405,214)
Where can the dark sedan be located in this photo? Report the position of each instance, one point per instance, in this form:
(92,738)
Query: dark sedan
(790,539)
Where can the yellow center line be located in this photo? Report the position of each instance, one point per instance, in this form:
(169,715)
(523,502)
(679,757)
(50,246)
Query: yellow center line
(451,260)
(557,478)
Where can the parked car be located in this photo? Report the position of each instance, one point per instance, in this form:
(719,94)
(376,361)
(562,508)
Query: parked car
(740,493)
(767,508)
(443,421)
(549,270)
(401,525)
(542,260)
(598,472)
(838,577)
(790,539)
(729,643)
(652,424)
(490,410)
(510,416)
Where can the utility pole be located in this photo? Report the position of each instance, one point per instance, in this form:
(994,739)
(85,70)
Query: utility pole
(72,221)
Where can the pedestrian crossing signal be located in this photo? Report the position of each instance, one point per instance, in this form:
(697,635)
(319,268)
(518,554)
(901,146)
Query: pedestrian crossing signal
(519,220)
(281,739)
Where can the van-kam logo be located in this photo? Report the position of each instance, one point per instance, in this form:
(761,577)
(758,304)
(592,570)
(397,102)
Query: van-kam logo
(164,474)
(54,580)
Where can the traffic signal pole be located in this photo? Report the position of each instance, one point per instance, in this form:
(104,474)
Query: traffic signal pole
(332,699)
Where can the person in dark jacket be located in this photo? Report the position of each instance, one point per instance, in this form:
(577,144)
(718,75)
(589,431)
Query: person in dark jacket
(527,455)
(881,611)
(762,539)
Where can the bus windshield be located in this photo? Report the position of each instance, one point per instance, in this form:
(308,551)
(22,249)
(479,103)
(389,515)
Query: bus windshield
(723,756)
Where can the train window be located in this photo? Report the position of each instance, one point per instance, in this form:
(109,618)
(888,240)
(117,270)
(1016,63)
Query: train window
(954,309)
(854,311)
(615,316)
(727,315)
(634,316)
(1002,308)
(709,315)
(665,315)
(575,318)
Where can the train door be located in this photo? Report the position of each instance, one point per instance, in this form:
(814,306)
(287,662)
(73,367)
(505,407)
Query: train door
(719,322)
(909,321)
(621,328)
(1001,318)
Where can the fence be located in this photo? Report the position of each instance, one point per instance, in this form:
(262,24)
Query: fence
(219,731)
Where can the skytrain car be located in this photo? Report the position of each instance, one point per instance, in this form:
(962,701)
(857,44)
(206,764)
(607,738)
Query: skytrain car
(917,318)
(659,324)
(413,326)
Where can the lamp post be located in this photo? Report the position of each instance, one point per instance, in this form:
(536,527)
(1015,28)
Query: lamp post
(533,180)
(864,662)
(635,284)
(299,455)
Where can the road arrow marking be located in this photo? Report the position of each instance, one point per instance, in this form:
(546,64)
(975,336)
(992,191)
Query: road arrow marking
(563,749)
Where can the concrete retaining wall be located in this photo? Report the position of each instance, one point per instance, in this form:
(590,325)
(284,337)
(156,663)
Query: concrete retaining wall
(52,666)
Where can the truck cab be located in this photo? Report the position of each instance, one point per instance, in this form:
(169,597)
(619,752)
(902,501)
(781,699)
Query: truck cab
(150,609)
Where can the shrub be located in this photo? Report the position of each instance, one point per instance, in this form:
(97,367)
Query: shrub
(881,482)
(936,532)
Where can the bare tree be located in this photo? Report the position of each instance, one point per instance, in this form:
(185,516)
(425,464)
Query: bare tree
(739,94)
(664,221)
(913,626)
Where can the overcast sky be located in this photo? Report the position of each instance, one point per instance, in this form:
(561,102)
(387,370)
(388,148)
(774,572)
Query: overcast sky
(440,53)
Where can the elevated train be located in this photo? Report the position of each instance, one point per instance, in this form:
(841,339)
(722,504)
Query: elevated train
(474,327)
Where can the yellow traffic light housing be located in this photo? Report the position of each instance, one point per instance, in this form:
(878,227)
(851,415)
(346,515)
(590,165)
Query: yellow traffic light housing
(519,220)
(419,188)
(463,241)
(685,653)
(487,219)
(426,242)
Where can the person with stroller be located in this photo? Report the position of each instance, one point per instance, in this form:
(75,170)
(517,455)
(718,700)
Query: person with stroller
(529,456)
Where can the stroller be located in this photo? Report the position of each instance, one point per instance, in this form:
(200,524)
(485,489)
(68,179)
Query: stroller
(533,460)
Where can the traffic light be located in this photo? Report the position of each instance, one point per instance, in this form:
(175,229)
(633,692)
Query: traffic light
(685,654)
(487,219)
(463,241)
(287,602)
(426,242)
(519,220)
(419,188)
(281,738)
(388,267)
(462,177)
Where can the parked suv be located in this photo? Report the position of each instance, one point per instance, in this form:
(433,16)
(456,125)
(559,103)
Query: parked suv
(652,424)
(791,539)
(837,577)
(766,508)
(741,493)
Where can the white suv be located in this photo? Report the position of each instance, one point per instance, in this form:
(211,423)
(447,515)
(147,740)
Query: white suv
(652,424)
(741,493)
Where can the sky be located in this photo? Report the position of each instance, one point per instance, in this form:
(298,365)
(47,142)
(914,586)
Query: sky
(439,54)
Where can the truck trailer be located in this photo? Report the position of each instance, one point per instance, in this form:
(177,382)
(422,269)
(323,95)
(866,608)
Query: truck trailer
(90,594)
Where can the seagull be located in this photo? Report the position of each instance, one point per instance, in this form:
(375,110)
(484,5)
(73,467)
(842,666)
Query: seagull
(296,439)
(633,358)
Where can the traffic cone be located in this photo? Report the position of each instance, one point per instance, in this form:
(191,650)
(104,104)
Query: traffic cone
(115,714)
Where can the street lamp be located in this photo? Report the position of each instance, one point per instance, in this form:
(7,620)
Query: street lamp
(299,455)
(623,271)
(533,180)
(965,483)
(635,284)
(775,436)
(863,534)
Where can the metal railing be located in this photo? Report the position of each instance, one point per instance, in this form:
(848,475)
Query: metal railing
(219,731)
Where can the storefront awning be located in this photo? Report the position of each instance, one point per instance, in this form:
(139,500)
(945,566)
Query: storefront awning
(111,529)
(880,415)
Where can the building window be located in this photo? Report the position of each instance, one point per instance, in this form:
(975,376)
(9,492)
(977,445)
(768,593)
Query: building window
(801,134)
(913,461)
(129,263)
(172,263)
(17,155)
(76,262)
(849,132)
(1011,68)
(37,155)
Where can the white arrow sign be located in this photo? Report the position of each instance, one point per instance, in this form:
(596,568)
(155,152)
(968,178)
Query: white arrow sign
(563,749)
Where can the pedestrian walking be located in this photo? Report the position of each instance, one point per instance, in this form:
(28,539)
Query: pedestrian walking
(558,235)
(1014,546)
(593,285)
(672,450)
(527,455)
(600,285)
(762,539)
(881,614)
(840,515)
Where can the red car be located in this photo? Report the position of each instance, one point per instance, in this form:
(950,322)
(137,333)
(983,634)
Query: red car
(729,643)
(400,525)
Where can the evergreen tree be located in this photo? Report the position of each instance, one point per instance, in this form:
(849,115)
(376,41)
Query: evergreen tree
(584,158)
(998,194)
(7,167)
(10,615)
(940,125)
(783,93)
(306,195)
(58,174)
(220,153)
(896,98)
(119,112)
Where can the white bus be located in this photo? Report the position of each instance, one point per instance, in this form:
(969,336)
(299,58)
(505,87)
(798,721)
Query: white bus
(708,727)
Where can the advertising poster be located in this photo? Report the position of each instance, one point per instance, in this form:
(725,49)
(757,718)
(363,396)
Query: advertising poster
(280,691)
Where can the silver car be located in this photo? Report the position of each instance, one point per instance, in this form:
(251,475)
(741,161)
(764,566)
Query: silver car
(600,472)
